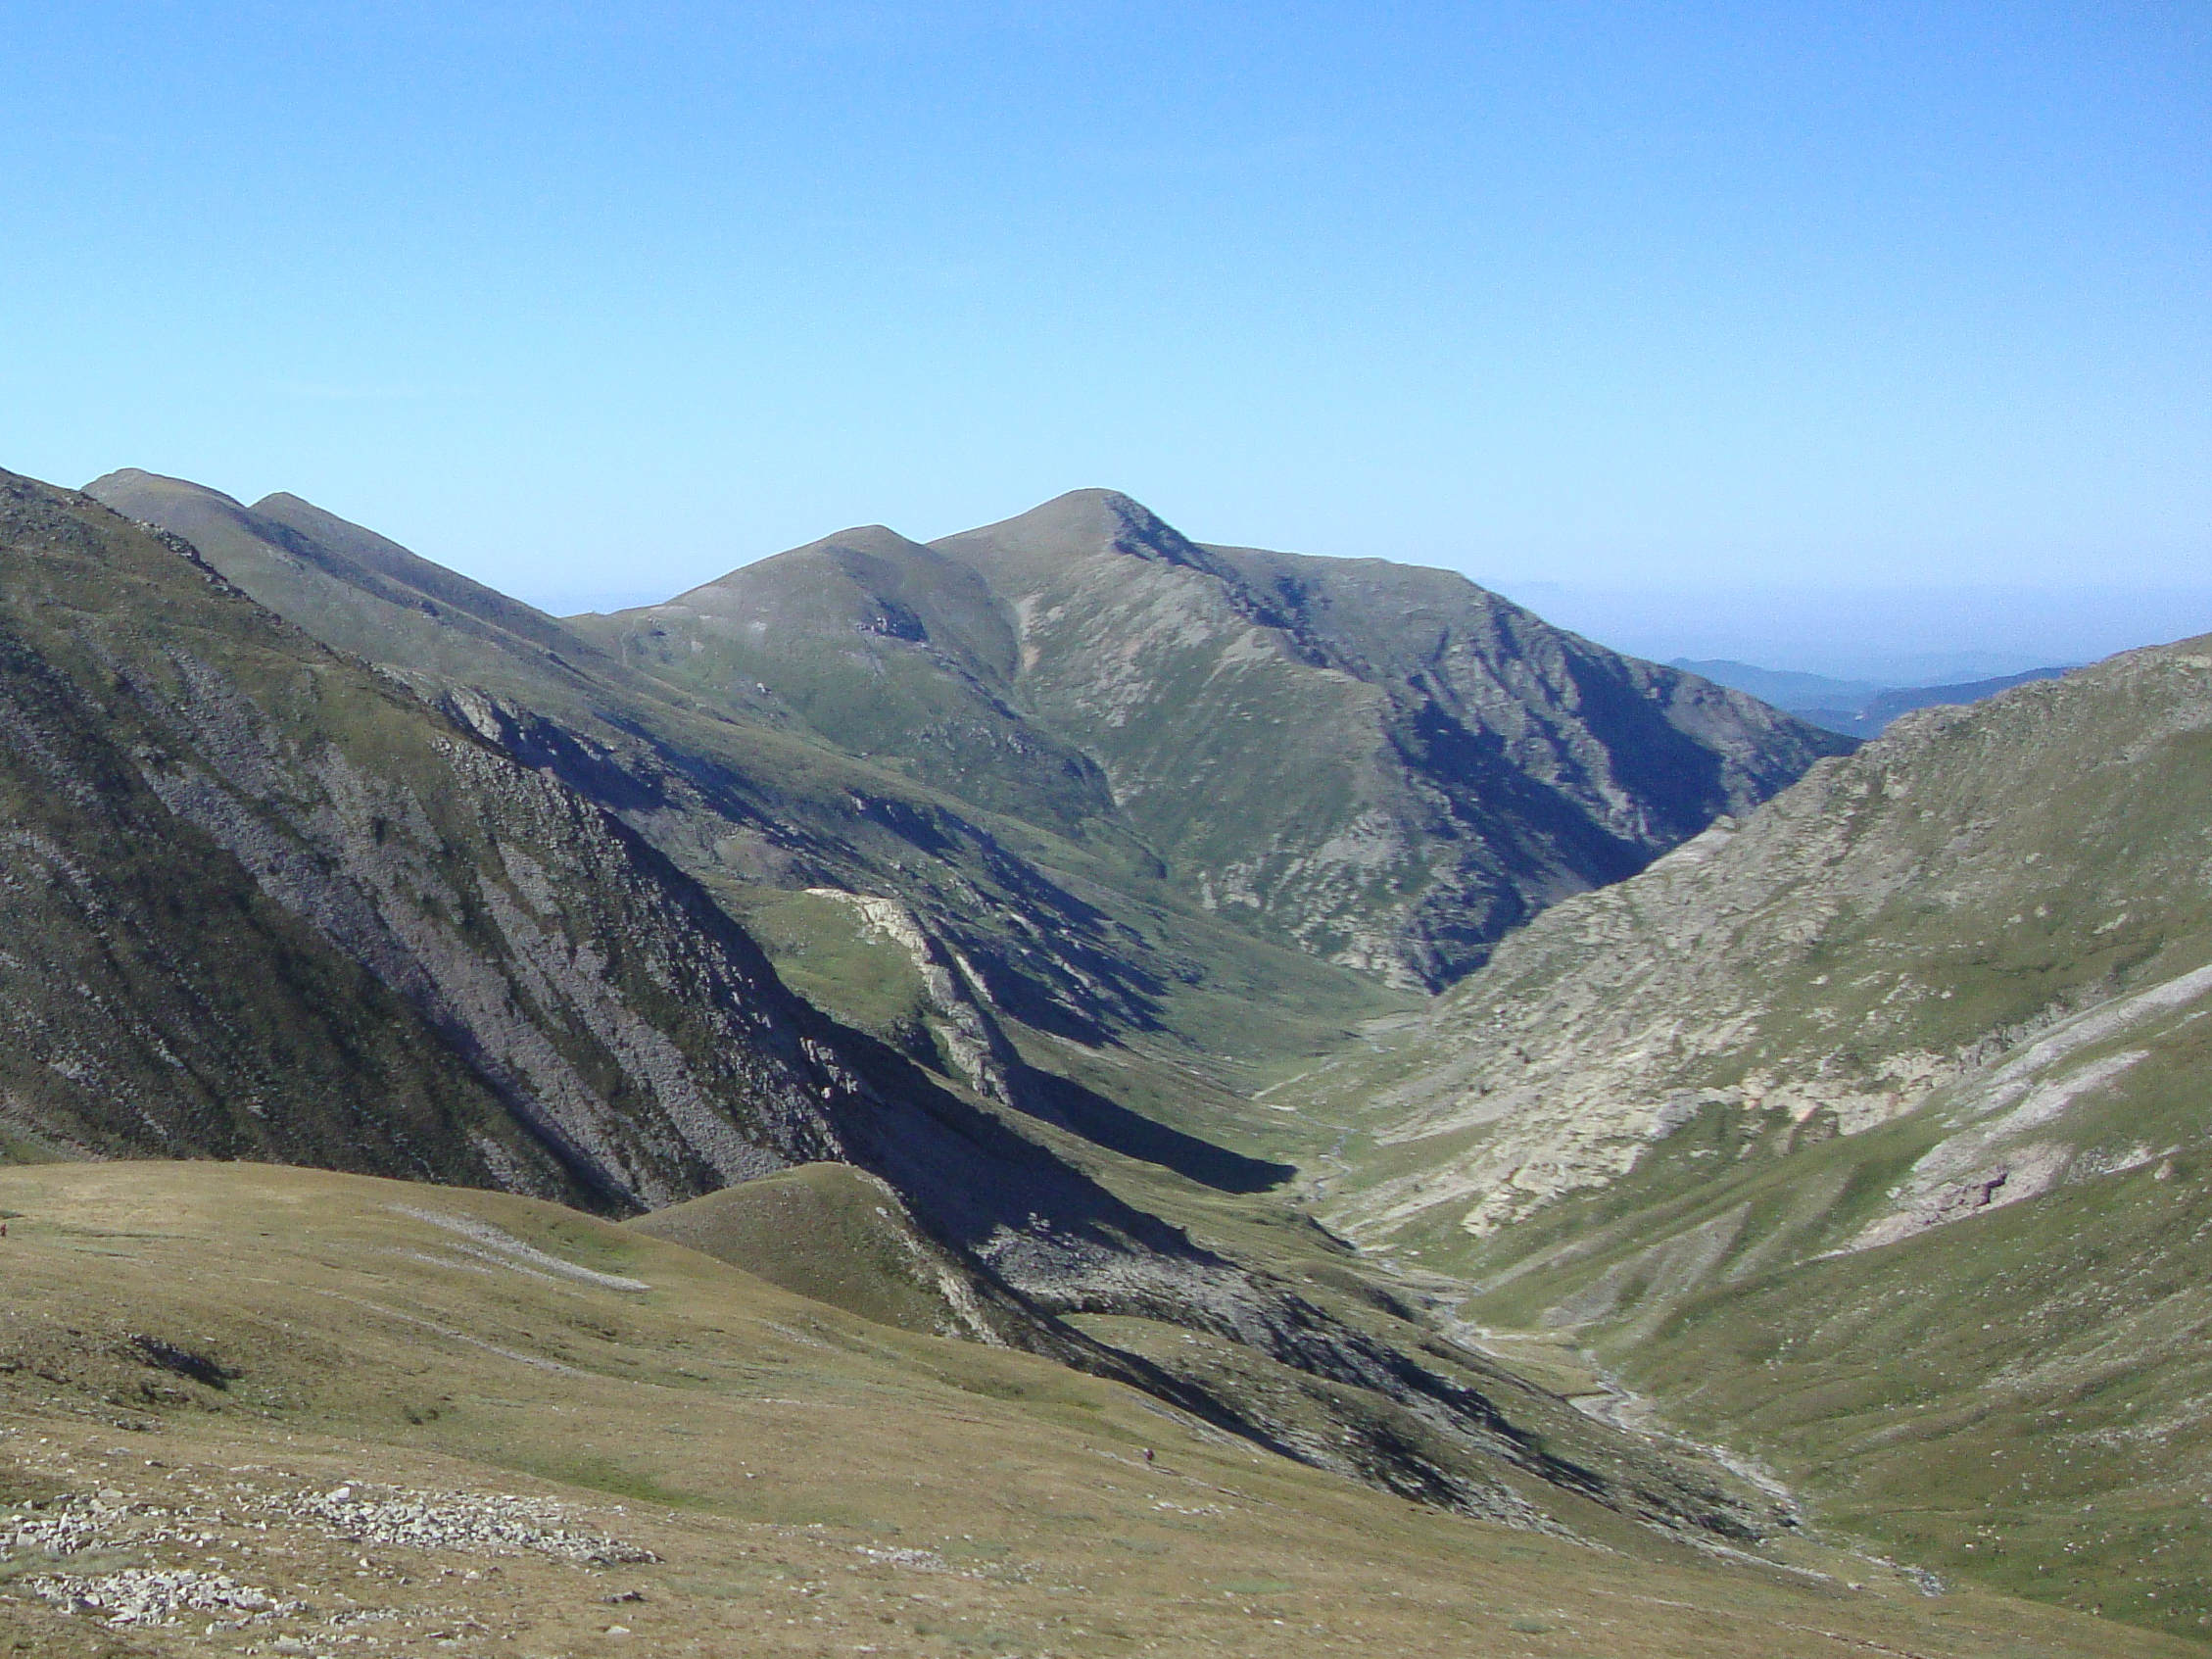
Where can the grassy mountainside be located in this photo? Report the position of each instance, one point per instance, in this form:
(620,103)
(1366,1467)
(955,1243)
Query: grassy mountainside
(1383,766)
(312,1412)
(1867,1135)
(888,650)
(837,1234)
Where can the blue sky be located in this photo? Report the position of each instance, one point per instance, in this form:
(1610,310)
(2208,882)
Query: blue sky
(1695,301)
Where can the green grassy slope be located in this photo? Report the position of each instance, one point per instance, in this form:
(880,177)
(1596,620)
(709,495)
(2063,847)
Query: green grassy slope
(1868,1136)
(889,650)
(835,1234)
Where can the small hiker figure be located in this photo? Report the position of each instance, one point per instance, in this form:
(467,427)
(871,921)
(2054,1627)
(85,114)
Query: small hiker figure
(1147,1449)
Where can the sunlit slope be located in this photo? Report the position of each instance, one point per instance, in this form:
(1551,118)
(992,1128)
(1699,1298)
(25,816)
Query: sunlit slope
(838,1235)
(1898,921)
(886,649)
(360,1409)
(1869,1137)
(1978,1333)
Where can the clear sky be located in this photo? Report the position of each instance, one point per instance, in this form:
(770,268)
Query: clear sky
(1582,299)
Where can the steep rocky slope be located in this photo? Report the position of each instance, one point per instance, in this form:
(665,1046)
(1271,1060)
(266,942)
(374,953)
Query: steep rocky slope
(1386,766)
(1868,1133)
(1892,923)
(263,901)
(1064,933)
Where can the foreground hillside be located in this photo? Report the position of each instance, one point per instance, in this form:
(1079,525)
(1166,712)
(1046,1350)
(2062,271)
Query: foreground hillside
(1867,1135)
(253,1410)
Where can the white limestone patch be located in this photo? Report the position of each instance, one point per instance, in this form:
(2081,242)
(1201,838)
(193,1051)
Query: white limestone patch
(516,1252)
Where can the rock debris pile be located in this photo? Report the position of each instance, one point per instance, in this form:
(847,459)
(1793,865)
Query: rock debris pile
(492,1523)
(158,1595)
(64,1551)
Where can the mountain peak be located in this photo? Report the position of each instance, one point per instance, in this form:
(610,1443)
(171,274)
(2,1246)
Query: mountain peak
(861,541)
(876,540)
(127,488)
(1081,524)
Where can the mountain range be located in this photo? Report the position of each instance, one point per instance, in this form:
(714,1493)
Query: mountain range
(1852,708)
(353,944)
(1379,1031)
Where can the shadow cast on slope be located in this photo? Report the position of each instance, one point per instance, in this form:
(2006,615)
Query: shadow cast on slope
(1082,1112)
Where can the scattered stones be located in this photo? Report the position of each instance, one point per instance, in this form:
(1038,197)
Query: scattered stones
(494,1523)
(912,1560)
(155,1596)
(64,1528)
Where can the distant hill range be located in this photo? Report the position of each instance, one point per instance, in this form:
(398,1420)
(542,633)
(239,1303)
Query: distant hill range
(1860,709)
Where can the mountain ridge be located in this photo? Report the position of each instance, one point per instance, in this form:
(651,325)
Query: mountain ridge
(1160,669)
(614,1035)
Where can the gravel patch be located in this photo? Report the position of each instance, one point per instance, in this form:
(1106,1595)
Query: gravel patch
(497,1524)
(139,1596)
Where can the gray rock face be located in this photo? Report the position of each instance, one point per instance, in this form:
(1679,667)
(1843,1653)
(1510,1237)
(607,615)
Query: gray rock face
(636,1050)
